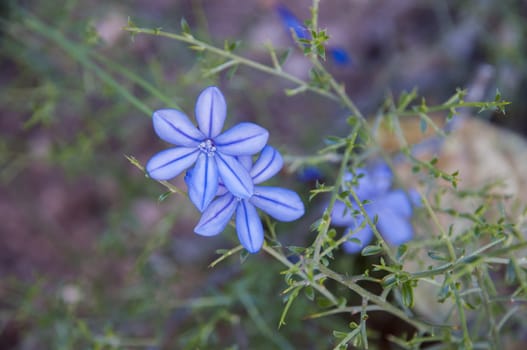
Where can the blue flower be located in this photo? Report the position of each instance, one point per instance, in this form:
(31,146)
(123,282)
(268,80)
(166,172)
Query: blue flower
(392,207)
(279,203)
(213,153)
(291,22)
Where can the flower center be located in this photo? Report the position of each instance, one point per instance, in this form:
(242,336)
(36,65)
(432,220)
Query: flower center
(207,147)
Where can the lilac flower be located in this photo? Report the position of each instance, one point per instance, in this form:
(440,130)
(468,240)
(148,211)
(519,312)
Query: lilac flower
(392,207)
(279,203)
(213,153)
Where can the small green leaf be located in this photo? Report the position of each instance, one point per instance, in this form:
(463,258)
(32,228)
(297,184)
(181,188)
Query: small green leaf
(185,28)
(371,250)
(423,125)
(310,293)
(436,255)
(510,273)
(407,293)
(164,196)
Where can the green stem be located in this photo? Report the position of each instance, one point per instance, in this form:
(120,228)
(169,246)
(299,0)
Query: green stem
(80,54)
(386,306)
(189,39)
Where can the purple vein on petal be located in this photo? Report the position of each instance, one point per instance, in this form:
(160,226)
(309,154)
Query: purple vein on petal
(266,166)
(246,221)
(232,198)
(172,161)
(267,199)
(178,130)
(233,172)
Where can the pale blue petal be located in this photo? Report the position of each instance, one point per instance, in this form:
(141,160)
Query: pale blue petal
(364,184)
(268,164)
(217,215)
(203,182)
(234,176)
(211,110)
(169,163)
(364,235)
(246,161)
(280,203)
(249,227)
(398,201)
(382,176)
(415,198)
(394,228)
(174,127)
(221,188)
(243,139)
(341,214)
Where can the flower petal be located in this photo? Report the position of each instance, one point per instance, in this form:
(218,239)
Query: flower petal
(382,176)
(217,215)
(394,228)
(398,201)
(169,163)
(246,161)
(244,139)
(268,164)
(291,22)
(203,182)
(211,110)
(249,227)
(234,176)
(364,235)
(174,127)
(280,203)
(364,184)
(341,214)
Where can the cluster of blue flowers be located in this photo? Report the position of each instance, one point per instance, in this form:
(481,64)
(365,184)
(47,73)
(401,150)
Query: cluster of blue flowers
(393,208)
(223,178)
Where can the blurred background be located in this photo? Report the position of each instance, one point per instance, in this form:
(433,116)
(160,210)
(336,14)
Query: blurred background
(88,253)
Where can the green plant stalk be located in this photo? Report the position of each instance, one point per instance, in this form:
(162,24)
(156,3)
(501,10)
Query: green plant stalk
(494,333)
(320,288)
(79,53)
(378,235)
(189,39)
(338,184)
(383,304)
(136,79)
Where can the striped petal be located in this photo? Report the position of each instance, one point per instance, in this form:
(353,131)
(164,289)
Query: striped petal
(249,227)
(234,176)
(169,163)
(244,139)
(246,161)
(280,203)
(174,127)
(211,110)
(217,215)
(268,164)
(203,182)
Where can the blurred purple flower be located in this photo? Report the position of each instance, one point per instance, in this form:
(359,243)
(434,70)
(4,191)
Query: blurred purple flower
(279,203)
(392,207)
(291,22)
(213,153)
